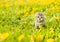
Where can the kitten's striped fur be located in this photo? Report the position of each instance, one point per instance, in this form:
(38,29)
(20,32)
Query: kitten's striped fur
(39,19)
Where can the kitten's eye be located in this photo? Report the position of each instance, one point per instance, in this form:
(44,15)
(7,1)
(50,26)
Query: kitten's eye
(42,17)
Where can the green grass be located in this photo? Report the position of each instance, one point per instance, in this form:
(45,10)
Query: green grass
(23,23)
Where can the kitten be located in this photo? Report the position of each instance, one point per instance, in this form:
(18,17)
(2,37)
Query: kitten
(39,19)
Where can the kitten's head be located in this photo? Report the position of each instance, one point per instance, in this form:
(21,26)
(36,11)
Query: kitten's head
(39,15)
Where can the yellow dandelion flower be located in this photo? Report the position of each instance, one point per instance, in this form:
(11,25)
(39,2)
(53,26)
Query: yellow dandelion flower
(31,1)
(19,2)
(55,8)
(21,37)
(16,3)
(49,2)
(0,34)
(34,1)
(51,30)
(58,35)
(32,39)
(0,37)
(56,18)
(57,0)
(41,2)
(50,40)
(39,37)
(4,36)
(1,1)
(1,5)
(45,2)
(7,4)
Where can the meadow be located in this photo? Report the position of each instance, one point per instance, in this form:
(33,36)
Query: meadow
(17,22)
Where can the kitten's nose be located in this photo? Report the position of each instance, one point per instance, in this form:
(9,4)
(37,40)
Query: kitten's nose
(41,19)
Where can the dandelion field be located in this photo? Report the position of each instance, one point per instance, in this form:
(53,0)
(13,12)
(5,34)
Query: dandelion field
(17,22)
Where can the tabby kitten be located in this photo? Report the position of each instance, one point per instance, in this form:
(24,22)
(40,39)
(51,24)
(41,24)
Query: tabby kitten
(39,20)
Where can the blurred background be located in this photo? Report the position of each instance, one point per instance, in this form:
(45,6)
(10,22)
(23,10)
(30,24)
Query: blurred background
(17,22)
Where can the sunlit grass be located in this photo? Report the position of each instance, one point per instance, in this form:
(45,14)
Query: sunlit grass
(17,22)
